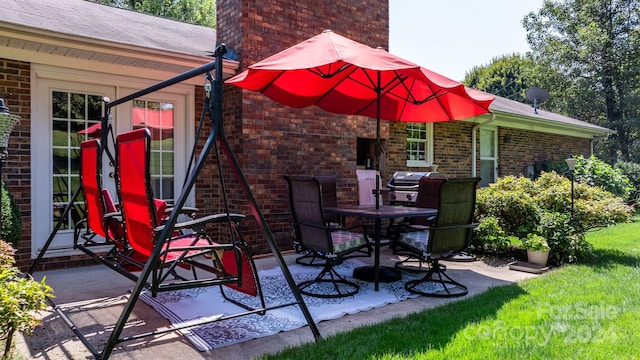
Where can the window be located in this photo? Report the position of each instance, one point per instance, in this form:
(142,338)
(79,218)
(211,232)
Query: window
(488,156)
(158,118)
(419,144)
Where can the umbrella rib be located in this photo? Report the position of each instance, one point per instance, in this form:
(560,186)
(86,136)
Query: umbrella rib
(387,88)
(436,96)
(329,75)
(275,78)
(336,84)
(314,71)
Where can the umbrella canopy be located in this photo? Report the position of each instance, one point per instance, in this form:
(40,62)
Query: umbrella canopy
(343,76)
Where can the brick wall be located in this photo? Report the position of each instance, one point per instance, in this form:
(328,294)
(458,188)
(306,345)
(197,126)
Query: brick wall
(516,149)
(15,89)
(275,140)
(523,147)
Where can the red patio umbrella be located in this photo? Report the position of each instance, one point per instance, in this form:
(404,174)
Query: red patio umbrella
(343,76)
(160,122)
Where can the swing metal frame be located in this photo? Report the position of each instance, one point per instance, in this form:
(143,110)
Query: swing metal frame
(215,140)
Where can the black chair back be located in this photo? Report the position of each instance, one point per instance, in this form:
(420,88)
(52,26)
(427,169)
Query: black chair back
(428,197)
(453,225)
(329,191)
(305,198)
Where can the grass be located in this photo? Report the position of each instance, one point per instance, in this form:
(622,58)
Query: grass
(585,311)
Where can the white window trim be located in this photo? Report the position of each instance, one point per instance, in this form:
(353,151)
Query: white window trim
(428,161)
(494,158)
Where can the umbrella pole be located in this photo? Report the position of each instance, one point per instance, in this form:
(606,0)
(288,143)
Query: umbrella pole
(378,151)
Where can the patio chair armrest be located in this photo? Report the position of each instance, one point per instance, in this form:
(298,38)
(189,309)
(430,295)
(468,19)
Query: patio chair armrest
(416,227)
(116,215)
(461,226)
(199,222)
(348,228)
(185,210)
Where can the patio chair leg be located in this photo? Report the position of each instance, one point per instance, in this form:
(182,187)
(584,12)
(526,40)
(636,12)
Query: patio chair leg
(342,286)
(450,287)
(413,264)
(309,259)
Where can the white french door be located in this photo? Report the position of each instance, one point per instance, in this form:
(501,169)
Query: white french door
(67,113)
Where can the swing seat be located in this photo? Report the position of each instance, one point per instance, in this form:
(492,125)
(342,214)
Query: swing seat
(101,224)
(229,261)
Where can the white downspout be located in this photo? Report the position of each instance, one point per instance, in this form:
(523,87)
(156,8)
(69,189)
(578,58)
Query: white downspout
(474,131)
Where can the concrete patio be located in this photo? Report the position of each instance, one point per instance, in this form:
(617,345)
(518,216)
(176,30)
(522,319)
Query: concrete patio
(101,294)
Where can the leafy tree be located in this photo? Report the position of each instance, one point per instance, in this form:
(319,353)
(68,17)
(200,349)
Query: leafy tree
(510,76)
(507,76)
(595,44)
(199,12)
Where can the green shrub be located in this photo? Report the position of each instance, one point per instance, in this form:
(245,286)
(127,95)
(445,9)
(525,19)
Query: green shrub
(11,227)
(566,245)
(595,172)
(20,298)
(514,208)
(520,207)
(631,171)
(620,180)
(489,236)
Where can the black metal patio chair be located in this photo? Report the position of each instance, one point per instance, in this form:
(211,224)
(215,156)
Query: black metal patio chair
(449,232)
(329,243)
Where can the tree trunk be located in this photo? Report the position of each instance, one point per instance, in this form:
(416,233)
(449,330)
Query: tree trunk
(8,344)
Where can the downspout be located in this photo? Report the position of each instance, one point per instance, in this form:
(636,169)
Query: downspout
(474,131)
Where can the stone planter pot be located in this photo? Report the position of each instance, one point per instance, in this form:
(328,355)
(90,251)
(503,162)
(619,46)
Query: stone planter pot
(538,257)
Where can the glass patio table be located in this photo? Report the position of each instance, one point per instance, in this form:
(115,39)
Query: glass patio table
(383,212)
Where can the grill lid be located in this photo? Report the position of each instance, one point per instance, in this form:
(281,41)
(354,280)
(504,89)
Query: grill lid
(406,179)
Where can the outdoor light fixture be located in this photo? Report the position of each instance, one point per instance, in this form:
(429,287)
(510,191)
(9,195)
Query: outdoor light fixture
(571,163)
(7,122)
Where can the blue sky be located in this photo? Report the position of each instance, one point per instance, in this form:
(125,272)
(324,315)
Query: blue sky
(450,37)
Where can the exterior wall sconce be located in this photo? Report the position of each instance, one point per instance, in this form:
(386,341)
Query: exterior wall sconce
(571,163)
(7,122)
(507,139)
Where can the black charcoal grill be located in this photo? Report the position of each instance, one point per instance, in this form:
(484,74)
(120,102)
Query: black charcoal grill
(403,186)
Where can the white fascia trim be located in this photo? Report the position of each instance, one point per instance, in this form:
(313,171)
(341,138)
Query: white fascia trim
(512,121)
(179,60)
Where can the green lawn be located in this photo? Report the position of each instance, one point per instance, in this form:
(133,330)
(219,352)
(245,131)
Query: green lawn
(586,311)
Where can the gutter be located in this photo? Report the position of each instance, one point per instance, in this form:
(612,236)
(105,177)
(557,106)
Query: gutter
(474,131)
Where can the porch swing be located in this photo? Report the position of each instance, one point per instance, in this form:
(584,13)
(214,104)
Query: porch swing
(163,252)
